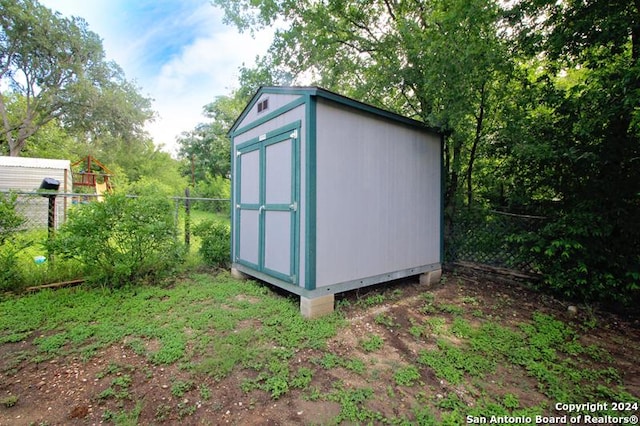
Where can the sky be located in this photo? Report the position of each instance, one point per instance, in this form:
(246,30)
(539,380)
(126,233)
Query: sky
(178,52)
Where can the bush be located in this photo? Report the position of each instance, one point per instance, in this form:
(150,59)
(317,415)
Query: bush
(10,222)
(216,242)
(122,240)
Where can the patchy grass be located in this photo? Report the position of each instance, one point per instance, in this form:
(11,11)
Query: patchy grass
(213,348)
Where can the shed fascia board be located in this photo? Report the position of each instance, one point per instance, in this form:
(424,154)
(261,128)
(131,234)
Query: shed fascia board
(35,163)
(331,96)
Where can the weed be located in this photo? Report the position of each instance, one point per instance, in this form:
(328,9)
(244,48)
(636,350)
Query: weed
(124,418)
(451,402)
(314,394)
(302,379)
(469,300)
(185,409)
(343,304)
(390,392)
(205,392)
(112,368)
(450,362)
(276,385)
(416,331)
(461,328)
(450,309)
(437,325)
(510,401)
(386,320)
(179,387)
(407,376)
(9,401)
(118,389)
(372,343)
(329,361)
(352,402)
(162,412)
(355,365)
(373,300)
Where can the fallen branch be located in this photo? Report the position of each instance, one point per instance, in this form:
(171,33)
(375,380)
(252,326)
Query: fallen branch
(63,284)
(497,270)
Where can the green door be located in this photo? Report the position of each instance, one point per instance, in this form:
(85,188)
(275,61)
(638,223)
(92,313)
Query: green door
(267,203)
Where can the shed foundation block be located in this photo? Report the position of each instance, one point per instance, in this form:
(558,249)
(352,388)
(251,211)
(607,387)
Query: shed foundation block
(316,307)
(431,278)
(238,275)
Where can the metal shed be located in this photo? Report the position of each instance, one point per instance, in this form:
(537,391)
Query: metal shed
(24,175)
(330,194)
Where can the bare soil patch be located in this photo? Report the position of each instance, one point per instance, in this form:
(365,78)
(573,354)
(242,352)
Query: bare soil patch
(71,391)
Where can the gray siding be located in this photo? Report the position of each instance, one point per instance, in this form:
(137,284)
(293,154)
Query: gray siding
(378,196)
(26,175)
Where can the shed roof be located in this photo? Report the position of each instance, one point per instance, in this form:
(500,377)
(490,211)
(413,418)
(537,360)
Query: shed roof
(332,96)
(35,163)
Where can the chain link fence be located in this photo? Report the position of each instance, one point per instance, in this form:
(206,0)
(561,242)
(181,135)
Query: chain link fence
(494,238)
(47,212)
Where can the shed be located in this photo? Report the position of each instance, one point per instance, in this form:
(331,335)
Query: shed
(24,175)
(330,194)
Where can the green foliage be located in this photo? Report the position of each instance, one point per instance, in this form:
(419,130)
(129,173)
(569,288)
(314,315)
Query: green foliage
(206,148)
(372,343)
(121,240)
(84,90)
(215,246)
(9,401)
(180,387)
(10,219)
(10,222)
(451,362)
(538,119)
(406,376)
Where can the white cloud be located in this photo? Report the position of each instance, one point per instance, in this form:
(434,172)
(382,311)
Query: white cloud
(205,69)
(182,57)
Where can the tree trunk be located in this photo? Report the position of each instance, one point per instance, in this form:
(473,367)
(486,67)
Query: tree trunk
(474,147)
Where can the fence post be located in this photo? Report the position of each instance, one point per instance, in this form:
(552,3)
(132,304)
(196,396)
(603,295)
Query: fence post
(51,222)
(187,218)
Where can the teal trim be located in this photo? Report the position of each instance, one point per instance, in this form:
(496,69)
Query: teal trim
(442,190)
(295,224)
(317,92)
(232,210)
(265,118)
(310,193)
(268,138)
(261,144)
(339,287)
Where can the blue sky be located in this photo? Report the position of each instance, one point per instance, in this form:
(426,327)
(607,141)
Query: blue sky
(179,52)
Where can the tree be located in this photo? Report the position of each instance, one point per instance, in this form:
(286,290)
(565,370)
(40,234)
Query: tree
(57,66)
(579,137)
(206,148)
(440,61)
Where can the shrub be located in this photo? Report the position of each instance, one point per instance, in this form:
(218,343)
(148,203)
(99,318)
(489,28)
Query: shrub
(10,222)
(216,242)
(122,240)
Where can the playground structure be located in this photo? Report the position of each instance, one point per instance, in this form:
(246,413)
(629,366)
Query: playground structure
(92,174)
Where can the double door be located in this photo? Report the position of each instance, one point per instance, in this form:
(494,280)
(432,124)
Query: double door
(266,208)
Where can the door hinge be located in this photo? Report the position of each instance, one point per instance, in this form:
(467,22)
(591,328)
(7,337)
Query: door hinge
(294,134)
(293,206)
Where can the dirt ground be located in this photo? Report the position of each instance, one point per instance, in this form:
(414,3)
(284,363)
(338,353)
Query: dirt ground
(64,391)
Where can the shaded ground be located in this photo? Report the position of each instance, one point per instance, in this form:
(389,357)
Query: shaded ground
(118,385)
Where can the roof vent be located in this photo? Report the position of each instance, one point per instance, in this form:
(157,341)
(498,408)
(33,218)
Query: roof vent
(263,105)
